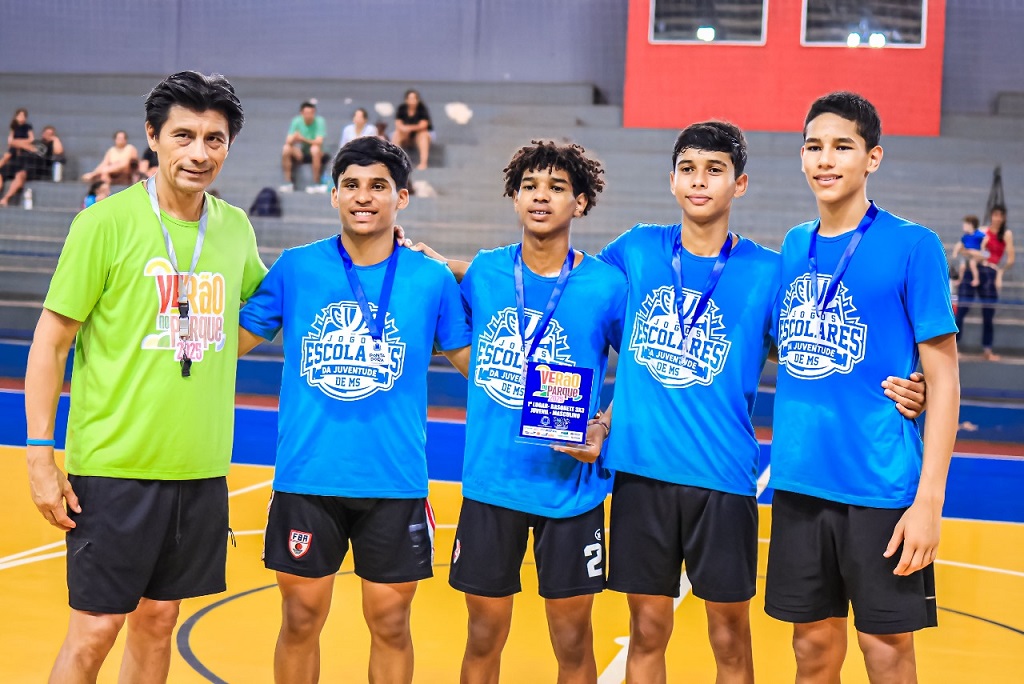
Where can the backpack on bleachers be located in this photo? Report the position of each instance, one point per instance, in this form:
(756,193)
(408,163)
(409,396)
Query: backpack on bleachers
(267,203)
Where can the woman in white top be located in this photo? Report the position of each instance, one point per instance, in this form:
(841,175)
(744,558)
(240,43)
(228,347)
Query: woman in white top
(358,128)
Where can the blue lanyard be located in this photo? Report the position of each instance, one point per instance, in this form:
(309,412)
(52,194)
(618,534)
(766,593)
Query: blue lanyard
(821,306)
(549,310)
(375,324)
(709,286)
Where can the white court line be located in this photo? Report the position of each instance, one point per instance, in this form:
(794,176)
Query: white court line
(38,549)
(615,672)
(20,558)
(31,559)
(250,488)
(983,568)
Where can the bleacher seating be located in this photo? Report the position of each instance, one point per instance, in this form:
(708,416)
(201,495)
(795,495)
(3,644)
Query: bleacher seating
(934,181)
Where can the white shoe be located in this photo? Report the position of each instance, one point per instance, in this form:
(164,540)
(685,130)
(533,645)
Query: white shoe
(287,187)
(316,189)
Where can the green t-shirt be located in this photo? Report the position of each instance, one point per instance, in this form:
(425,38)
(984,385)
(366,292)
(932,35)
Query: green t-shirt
(317,129)
(132,414)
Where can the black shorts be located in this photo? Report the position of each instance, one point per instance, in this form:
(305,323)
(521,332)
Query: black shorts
(824,555)
(490,544)
(657,526)
(157,539)
(392,539)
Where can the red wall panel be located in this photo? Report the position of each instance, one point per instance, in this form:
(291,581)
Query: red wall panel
(769,87)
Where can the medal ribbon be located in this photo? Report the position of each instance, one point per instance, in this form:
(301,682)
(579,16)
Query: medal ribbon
(821,306)
(709,286)
(549,310)
(375,324)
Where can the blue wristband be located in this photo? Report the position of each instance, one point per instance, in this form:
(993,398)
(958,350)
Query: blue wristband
(39,442)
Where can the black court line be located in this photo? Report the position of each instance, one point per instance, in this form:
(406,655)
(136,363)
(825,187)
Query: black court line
(185,633)
(978,617)
(185,649)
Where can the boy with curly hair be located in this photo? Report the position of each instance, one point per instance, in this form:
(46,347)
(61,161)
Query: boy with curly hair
(569,312)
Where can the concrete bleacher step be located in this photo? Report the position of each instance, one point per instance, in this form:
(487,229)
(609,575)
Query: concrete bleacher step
(297,90)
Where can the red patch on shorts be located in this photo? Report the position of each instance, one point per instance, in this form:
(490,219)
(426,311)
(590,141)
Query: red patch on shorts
(298,543)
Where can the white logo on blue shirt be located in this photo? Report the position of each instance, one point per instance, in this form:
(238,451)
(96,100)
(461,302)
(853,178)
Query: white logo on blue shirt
(657,342)
(813,347)
(499,354)
(340,357)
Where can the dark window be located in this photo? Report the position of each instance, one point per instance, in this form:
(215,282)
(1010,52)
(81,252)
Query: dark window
(864,23)
(708,21)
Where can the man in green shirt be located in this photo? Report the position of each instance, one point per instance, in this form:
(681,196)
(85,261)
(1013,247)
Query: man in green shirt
(148,287)
(304,145)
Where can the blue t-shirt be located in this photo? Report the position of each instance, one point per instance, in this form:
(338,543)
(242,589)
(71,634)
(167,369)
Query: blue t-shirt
(684,416)
(353,420)
(973,240)
(499,470)
(836,435)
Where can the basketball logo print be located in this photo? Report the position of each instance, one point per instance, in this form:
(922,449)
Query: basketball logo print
(341,359)
(814,346)
(659,345)
(500,358)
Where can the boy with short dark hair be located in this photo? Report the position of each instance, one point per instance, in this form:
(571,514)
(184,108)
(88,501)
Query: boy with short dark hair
(858,500)
(683,448)
(360,318)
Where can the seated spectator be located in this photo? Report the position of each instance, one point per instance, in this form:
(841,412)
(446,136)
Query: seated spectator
(119,164)
(359,127)
(149,164)
(49,151)
(99,190)
(20,148)
(413,125)
(304,145)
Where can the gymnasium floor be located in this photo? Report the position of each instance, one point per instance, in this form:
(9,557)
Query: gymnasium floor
(230,637)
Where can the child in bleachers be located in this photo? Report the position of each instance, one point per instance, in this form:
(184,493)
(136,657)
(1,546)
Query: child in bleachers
(969,250)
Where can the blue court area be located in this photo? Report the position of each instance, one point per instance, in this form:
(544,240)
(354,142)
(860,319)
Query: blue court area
(981,486)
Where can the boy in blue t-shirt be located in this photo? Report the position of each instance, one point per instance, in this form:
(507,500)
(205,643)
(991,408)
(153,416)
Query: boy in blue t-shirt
(683,448)
(510,486)
(858,500)
(360,319)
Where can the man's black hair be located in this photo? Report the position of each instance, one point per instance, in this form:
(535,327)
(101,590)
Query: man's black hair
(305,104)
(852,107)
(545,155)
(714,136)
(370,150)
(197,92)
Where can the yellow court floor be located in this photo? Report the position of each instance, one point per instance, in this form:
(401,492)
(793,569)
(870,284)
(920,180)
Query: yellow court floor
(230,637)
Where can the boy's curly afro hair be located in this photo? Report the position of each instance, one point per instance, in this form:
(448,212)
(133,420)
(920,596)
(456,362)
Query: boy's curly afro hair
(584,172)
